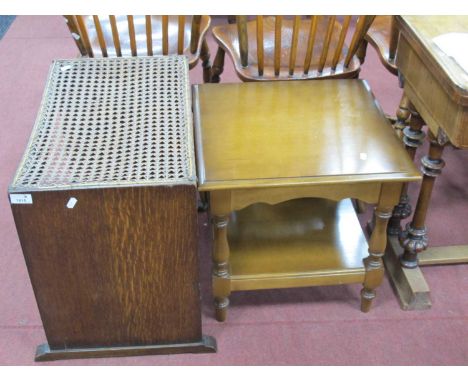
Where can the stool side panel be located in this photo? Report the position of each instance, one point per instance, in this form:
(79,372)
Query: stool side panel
(120,268)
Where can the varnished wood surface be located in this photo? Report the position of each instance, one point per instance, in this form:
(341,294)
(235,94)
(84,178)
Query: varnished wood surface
(284,51)
(379,36)
(419,31)
(277,142)
(431,83)
(290,133)
(296,243)
(164,30)
(118,269)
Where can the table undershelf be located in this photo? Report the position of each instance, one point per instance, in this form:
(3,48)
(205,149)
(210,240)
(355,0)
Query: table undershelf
(302,242)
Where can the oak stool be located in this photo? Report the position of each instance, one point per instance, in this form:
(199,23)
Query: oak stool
(104,202)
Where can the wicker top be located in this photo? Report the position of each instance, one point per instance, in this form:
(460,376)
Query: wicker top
(111,122)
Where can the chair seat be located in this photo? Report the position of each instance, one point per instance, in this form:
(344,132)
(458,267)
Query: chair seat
(227,37)
(287,133)
(140,33)
(378,36)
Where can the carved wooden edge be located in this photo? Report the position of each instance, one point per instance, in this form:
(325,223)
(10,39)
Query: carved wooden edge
(414,238)
(368,193)
(408,126)
(207,344)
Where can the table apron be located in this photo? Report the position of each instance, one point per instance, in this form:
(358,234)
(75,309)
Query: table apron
(225,201)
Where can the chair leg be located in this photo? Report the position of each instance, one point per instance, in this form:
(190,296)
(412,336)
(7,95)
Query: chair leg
(205,56)
(373,263)
(218,66)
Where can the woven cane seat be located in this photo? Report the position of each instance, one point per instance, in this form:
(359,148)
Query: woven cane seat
(111,122)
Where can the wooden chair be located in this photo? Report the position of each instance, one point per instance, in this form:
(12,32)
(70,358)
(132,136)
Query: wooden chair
(280,48)
(143,35)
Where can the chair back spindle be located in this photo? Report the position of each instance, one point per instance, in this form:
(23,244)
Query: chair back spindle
(294,40)
(243,39)
(260,52)
(310,44)
(339,46)
(181,35)
(278,25)
(131,35)
(84,35)
(149,35)
(100,35)
(326,44)
(362,25)
(115,35)
(75,32)
(165,35)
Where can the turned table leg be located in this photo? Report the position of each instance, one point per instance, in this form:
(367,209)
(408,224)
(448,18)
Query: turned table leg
(414,238)
(221,285)
(413,137)
(374,263)
(377,244)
